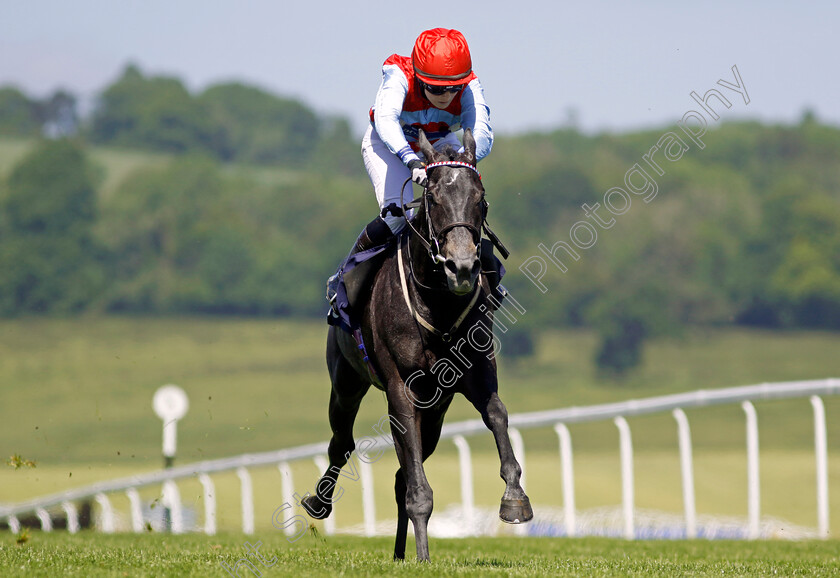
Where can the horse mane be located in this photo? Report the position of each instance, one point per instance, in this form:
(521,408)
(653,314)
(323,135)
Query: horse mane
(450,152)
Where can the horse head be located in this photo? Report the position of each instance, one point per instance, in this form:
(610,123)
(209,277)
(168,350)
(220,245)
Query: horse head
(454,211)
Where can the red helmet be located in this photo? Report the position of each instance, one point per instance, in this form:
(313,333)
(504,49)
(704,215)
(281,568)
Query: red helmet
(441,57)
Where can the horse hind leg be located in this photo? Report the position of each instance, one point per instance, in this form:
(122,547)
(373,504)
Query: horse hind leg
(402,516)
(342,444)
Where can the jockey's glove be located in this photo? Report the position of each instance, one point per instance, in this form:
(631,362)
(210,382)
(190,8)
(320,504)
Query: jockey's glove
(418,172)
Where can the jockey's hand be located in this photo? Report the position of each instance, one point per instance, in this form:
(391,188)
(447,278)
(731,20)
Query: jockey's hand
(418,172)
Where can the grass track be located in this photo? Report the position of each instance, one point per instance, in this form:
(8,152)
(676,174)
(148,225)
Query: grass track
(89,554)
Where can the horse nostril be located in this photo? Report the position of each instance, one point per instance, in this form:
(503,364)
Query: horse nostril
(476,268)
(453,268)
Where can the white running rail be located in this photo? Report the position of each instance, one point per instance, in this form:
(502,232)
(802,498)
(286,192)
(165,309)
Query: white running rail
(458,432)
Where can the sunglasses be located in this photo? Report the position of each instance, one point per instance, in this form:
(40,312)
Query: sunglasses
(439,90)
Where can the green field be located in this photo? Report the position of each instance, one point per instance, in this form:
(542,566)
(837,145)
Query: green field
(114,165)
(196,555)
(76,398)
(79,390)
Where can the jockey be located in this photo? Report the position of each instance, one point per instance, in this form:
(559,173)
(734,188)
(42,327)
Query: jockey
(434,90)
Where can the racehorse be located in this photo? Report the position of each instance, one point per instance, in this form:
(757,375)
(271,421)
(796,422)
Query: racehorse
(416,330)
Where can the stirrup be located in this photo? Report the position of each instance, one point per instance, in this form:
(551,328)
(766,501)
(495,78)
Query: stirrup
(332,287)
(332,311)
(332,297)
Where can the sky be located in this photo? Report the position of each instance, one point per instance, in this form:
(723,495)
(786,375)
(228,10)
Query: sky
(603,66)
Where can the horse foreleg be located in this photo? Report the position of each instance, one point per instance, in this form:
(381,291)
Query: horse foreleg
(418,493)
(515,507)
(342,412)
(430,428)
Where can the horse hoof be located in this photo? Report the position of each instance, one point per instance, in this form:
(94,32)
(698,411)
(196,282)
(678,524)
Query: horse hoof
(516,511)
(315,507)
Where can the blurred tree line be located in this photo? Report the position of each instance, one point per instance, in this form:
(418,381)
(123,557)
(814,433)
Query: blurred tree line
(230,122)
(746,231)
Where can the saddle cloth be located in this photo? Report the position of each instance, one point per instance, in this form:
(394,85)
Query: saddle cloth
(354,282)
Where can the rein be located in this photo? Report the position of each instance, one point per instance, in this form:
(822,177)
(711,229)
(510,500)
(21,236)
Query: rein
(445,336)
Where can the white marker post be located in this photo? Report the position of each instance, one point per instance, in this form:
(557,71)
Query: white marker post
(170,404)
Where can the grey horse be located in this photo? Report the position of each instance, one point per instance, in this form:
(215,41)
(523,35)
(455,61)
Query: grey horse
(428,325)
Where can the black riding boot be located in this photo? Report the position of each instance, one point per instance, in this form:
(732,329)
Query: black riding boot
(375,233)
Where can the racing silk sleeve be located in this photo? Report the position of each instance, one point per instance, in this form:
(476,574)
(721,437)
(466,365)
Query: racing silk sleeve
(475,115)
(387,110)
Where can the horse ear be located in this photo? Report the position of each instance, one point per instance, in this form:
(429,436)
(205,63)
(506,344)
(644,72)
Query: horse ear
(469,146)
(425,146)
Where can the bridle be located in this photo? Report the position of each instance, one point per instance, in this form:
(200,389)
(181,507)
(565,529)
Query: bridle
(435,240)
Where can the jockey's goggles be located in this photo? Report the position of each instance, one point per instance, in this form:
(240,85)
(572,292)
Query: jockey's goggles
(439,90)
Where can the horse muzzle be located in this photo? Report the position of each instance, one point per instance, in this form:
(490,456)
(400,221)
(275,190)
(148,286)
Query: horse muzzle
(461,273)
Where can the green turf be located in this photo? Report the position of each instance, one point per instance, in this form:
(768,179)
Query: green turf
(89,554)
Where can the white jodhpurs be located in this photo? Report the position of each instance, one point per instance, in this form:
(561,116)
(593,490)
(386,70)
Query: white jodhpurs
(388,173)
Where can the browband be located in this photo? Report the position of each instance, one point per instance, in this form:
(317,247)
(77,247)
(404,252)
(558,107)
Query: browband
(453,164)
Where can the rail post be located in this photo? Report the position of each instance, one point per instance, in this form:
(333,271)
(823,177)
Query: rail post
(687,471)
(627,488)
(753,484)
